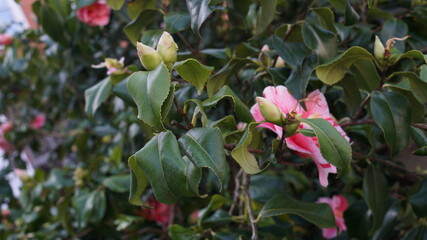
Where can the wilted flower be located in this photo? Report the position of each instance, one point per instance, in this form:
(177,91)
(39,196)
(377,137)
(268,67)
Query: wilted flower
(38,122)
(5,39)
(338,204)
(148,56)
(96,14)
(160,212)
(307,147)
(113,65)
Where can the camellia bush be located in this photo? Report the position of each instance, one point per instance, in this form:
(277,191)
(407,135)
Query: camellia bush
(197,119)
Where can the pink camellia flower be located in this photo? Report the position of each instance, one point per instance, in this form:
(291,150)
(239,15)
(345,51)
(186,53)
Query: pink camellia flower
(96,14)
(307,147)
(5,145)
(338,204)
(5,39)
(38,122)
(160,212)
(6,127)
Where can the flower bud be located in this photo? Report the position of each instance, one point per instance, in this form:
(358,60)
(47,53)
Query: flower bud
(167,49)
(149,57)
(279,63)
(115,66)
(270,111)
(379,49)
(263,56)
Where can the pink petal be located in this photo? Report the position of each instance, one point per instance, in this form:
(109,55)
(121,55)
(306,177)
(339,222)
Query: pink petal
(329,233)
(282,98)
(256,113)
(317,106)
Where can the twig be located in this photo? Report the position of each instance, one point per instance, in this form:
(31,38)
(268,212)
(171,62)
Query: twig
(184,116)
(420,125)
(142,231)
(188,46)
(236,191)
(359,122)
(360,110)
(247,180)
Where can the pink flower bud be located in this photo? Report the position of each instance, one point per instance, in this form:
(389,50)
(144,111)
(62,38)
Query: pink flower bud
(38,122)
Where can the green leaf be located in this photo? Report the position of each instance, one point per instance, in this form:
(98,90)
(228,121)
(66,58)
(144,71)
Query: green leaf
(326,18)
(135,7)
(292,52)
(178,232)
(84,3)
(376,193)
(193,72)
(134,28)
(263,187)
(322,41)
(205,148)
(418,200)
(423,72)
(418,86)
(265,15)
(149,90)
(334,71)
(216,202)
(351,16)
(115,4)
(417,109)
(319,214)
(167,104)
(392,113)
(334,147)
(242,111)
(177,21)
(161,161)
(96,95)
(138,182)
(199,11)
(53,24)
(414,54)
(117,183)
(199,109)
(121,91)
(366,74)
(243,157)
(351,91)
(420,138)
(217,81)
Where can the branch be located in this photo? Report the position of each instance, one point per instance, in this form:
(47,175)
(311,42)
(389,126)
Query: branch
(249,207)
(420,125)
(184,116)
(362,106)
(359,122)
(236,191)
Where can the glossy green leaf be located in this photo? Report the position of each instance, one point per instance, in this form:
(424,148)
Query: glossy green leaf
(418,200)
(199,109)
(215,203)
(392,113)
(135,7)
(366,74)
(53,24)
(419,136)
(177,21)
(138,182)
(193,72)
(161,161)
(351,91)
(292,52)
(265,15)
(394,28)
(417,109)
(217,81)
(115,4)
(263,187)
(319,214)
(149,90)
(334,147)
(334,71)
(121,91)
(205,148)
(167,104)
(199,11)
(326,18)
(375,188)
(357,220)
(243,157)
(414,54)
(418,86)
(117,183)
(321,41)
(350,15)
(178,232)
(241,110)
(423,72)
(134,28)
(96,95)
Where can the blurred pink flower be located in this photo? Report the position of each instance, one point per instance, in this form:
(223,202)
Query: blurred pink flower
(160,212)
(5,145)
(38,122)
(5,39)
(339,204)
(96,14)
(6,127)
(307,147)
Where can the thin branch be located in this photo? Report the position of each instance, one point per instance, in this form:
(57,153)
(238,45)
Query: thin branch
(360,110)
(184,116)
(236,191)
(359,122)
(249,206)
(187,44)
(420,125)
